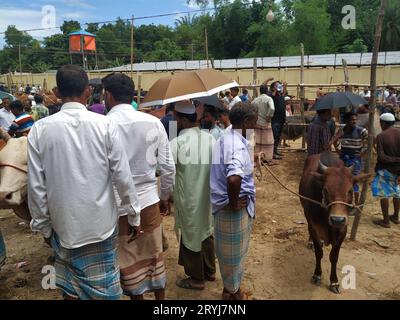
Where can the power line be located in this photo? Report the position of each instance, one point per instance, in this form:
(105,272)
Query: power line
(129,19)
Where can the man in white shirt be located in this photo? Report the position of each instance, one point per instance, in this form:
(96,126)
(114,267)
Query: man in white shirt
(6,116)
(147,146)
(74,157)
(235,97)
(366,93)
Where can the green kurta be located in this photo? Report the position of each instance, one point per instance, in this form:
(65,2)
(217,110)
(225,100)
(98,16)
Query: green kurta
(192,152)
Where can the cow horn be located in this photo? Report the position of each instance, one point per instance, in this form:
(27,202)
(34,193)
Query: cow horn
(322,167)
(4,135)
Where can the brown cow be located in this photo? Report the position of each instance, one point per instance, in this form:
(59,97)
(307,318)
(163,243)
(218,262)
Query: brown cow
(326,180)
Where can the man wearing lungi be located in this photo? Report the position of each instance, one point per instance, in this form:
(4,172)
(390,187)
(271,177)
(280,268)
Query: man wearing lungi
(386,182)
(233,198)
(192,151)
(146,144)
(264,135)
(74,157)
(353,141)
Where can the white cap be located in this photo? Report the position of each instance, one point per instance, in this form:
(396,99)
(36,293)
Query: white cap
(388,117)
(186,107)
(287,98)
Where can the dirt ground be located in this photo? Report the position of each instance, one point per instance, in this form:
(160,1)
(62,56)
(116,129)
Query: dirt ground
(279,264)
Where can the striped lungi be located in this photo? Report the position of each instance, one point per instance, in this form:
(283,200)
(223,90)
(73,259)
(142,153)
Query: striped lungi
(142,261)
(385,185)
(265,141)
(90,272)
(2,251)
(232,231)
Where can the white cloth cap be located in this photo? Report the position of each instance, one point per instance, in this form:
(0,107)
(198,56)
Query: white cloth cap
(388,117)
(186,107)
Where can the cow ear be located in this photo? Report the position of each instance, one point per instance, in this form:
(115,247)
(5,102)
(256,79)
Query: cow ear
(318,176)
(361,178)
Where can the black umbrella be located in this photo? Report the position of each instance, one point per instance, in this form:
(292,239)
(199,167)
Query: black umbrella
(211,100)
(339,100)
(95,82)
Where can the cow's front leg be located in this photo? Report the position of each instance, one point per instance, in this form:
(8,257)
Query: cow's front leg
(319,253)
(334,257)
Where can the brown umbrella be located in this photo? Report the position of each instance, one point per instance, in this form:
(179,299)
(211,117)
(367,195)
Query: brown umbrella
(187,85)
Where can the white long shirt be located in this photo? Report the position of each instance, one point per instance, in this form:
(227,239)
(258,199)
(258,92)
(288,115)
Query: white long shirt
(147,146)
(73,157)
(234,101)
(6,118)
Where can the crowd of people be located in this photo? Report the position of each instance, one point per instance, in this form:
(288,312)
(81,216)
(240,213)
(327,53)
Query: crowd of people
(108,239)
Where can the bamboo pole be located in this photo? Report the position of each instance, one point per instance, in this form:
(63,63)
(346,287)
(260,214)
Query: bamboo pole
(206,45)
(374,63)
(302,96)
(255,94)
(139,89)
(132,39)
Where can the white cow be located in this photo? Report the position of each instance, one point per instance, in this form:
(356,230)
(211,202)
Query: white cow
(13,175)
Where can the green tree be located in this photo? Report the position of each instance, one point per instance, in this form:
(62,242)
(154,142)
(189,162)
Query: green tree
(311,25)
(70,26)
(391,27)
(165,50)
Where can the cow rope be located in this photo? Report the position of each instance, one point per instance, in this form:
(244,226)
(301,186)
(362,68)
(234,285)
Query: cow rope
(14,167)
(322,204)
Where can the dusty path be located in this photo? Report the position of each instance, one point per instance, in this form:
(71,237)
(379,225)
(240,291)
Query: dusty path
(279,265)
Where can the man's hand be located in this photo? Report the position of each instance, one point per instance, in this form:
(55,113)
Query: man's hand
(135,232)
(239,205)
(164,207)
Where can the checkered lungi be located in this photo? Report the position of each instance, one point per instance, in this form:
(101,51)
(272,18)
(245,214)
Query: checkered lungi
(232,231)
(90,272)
(385,185)
(3,256)
(356,163)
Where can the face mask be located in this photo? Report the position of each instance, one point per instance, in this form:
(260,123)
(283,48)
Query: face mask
(279,88)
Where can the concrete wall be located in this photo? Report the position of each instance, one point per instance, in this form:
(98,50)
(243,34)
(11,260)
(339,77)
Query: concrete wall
(386,75)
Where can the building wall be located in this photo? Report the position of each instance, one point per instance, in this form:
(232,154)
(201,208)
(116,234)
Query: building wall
(329,75)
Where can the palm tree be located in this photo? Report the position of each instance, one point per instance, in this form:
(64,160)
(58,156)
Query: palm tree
(185,21)
(391,27)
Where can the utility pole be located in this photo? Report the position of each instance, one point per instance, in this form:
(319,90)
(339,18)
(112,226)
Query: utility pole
(192,50)
(374,63)
(132,45)
(20,62)
(206,35)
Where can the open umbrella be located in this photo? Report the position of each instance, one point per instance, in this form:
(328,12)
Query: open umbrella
(95,82)
(187,85)
(6,95)
(339,100)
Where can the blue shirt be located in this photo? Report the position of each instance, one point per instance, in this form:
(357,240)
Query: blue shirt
(232,157)
(244,98)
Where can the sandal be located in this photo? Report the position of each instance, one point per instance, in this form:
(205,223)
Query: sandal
(381,223)
(395,221)
(187,283)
